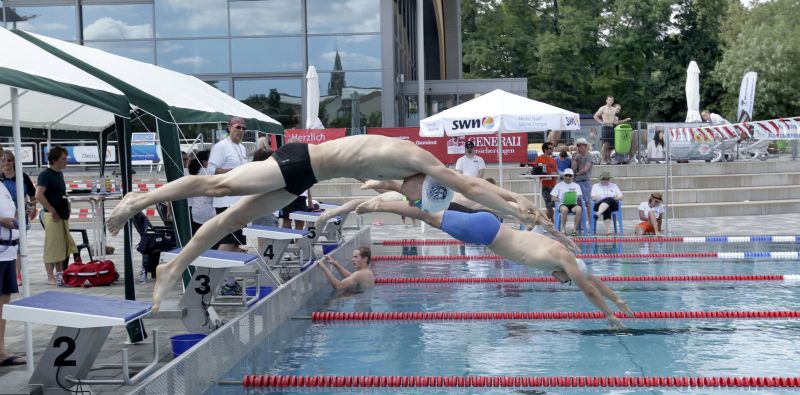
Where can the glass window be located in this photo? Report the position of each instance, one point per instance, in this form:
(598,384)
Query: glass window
(223,85)
(117,22)
(193,56)
(340,90)
(267,54)
(191,18)
(353,52)
(53,21)
(143,51)
(265,17)
(343,16)
(281,99)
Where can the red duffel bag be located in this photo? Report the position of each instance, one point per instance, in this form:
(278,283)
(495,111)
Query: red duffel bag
(90,274)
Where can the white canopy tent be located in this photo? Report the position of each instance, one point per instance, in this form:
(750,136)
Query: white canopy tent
(40,90)
(498,112)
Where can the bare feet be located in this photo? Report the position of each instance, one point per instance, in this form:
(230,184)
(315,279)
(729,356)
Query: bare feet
(375,184)
(164,280)
(124,211)
(370,206)
(323,218)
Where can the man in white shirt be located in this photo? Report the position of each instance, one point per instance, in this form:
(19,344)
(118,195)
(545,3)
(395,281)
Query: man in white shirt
(470,164)
(650,213)
(714,118)
(558,194)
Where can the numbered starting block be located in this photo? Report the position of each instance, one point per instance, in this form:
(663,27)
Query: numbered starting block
(332,231)
(278,240)
(84,323)
(211,267)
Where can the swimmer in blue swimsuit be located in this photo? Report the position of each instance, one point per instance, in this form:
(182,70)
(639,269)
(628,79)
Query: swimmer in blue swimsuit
(528,248)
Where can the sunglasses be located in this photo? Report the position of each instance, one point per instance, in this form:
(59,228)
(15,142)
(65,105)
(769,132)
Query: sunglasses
(567,175)
(238,127)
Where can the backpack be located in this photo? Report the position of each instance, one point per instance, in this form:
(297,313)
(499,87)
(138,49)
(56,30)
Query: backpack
(90,274)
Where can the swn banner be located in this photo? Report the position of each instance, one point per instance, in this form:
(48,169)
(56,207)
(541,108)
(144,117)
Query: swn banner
(449,149)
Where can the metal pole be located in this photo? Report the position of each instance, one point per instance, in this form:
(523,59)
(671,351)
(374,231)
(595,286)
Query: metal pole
(500,155)
(420,62)
(667,179)
(23,239)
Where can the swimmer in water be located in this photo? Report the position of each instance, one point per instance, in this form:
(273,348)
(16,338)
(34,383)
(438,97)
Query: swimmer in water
(294,168)
(355,282)
(528,248)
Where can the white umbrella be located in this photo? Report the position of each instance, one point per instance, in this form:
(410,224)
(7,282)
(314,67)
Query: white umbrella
(312,100)
(498,112)
(693,93)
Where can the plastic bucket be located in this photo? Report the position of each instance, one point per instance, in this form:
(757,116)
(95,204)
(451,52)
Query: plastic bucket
(181,343)
(622,138)
(328,248)
(251,292)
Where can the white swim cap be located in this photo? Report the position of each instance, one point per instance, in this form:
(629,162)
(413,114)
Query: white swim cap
(582,266)
(435,196)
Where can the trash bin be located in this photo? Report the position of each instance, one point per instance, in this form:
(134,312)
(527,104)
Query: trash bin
(622,138)
(181,343)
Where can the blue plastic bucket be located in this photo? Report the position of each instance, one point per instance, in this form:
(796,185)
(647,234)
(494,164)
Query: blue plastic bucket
(181,343)
(328,248)
(251,292)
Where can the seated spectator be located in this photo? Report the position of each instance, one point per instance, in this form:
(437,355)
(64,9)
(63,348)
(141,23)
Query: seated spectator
(356,282)
(548,166)
(568,195)
(655,148)
(650,213)
(563,161)
(606,196)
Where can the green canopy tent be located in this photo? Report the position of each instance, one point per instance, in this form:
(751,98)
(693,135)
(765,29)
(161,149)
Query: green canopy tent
(38,89)
(171,97)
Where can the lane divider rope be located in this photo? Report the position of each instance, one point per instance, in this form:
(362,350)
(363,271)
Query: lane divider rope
(784,255)
(586,240)
(516,381)
(549,315)
(478,280)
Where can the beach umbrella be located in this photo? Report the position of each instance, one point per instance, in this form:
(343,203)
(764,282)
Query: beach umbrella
(693,93)
(312,99)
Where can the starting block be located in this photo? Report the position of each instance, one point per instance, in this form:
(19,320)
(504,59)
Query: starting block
(278,240)
(84,323)
(211,267)
(332,230)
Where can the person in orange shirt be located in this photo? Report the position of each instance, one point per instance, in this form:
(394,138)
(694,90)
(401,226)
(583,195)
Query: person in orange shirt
(548,163)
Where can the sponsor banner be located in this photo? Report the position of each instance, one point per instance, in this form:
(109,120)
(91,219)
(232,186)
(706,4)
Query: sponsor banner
(86,154)
(144,150)
(449,149)
(472,125)
(684,144)
(314,136)
(747,94)
(777,129)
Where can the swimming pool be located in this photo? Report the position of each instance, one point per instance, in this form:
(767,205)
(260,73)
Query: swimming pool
(657,347)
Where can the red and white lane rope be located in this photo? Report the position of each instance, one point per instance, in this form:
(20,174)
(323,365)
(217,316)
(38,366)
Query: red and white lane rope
(588,240)
(515,381)
(788,255)
(552,315)
(478,280)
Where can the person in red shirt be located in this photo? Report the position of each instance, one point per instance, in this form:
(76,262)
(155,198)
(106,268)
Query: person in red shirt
(547,161)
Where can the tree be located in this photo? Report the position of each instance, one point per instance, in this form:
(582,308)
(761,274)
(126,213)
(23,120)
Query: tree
(763,39)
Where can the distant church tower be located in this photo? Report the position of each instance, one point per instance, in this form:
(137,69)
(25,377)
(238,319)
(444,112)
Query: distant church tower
(337,77)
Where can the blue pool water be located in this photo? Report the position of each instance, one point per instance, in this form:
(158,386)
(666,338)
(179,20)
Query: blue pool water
(543,348)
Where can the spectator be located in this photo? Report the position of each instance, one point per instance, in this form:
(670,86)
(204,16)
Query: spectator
(9,179)
(563,161)
(302,203)
(650,213)
(9,236)
(568,194)
(582,163)
(358,281)
(655,147)
(714,118)
(470,164)
(606,116)
(548,165)
(606,196)
(225,156)
(201,208)
(270,219)
(51,192)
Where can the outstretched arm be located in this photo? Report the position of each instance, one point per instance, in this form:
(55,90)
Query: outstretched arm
(343,209)
(610,294)
(382,186)
(593,294)
(345,283)
(339,268)
(377,204)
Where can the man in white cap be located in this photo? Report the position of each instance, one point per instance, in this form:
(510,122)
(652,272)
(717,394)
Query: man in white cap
(568,196)
(294,168)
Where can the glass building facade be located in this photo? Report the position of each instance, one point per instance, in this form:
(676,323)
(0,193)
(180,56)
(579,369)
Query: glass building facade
(258,51)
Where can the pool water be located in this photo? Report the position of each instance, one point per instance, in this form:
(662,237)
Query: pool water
(731,348)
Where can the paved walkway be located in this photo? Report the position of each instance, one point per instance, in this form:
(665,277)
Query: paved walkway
(788,224)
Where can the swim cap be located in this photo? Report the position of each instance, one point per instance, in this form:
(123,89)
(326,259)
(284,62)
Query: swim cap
(582,266)
(435,196)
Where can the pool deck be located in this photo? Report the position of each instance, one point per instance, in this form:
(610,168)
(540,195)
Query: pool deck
(12,379)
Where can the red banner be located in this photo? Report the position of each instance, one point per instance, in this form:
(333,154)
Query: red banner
(449,149)
(314,136)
